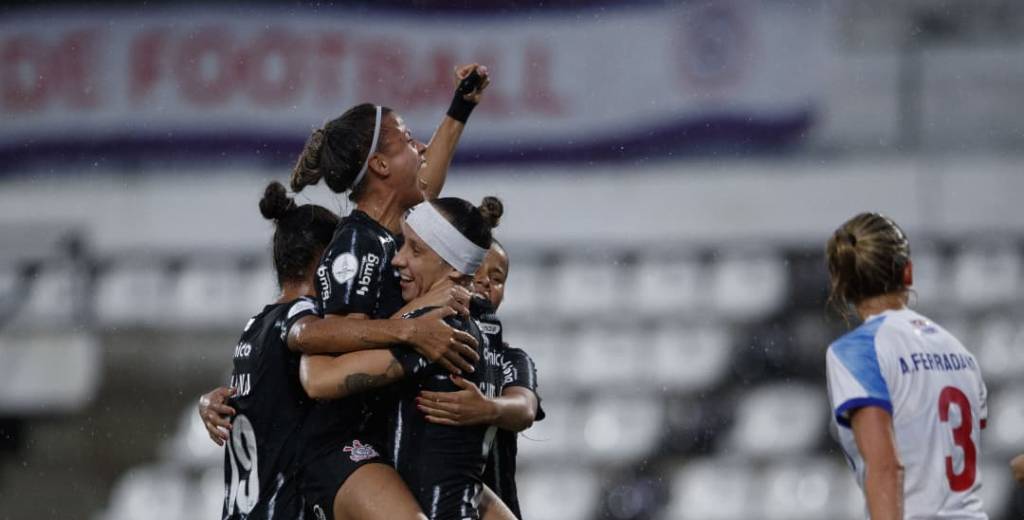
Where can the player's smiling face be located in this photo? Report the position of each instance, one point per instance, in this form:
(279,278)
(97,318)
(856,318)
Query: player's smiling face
(419,267)
(489,281)
(405,157)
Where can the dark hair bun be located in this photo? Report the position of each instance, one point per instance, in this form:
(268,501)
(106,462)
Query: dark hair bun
(491,209)
(276,202)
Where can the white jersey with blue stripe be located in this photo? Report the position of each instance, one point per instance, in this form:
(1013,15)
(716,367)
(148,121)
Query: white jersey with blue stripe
(904,363)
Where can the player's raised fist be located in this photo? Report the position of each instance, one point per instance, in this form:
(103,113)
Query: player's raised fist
(471,81)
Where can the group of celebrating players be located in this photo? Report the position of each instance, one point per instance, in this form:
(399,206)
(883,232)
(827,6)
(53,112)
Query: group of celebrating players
(378,386)
(375,386)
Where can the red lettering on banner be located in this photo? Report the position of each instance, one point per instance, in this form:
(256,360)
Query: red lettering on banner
(36,74)
(330,51)
(78,67)
(146,63)
(496,100)
(538,91)
(438,82)
(274,68)
(26,73)
(383,70)
(205,67)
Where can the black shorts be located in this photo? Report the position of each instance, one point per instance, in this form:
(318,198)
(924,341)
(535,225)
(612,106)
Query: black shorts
(324,474)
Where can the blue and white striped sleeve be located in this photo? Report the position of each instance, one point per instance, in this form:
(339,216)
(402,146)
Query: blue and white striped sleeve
(854,375)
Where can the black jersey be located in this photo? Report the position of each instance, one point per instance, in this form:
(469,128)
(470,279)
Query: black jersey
(442,465)
(260,461)
(517,370)
(355,276)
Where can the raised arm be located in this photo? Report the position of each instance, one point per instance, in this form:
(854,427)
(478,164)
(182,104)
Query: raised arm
(442,144)
(883,474)
(328,377)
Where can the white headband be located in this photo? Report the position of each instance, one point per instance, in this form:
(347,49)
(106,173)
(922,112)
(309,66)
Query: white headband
(444,239)
(373,148)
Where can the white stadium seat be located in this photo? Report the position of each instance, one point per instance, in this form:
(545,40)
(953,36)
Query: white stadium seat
(207,296)
(1004,434)
(746,287)
(999,347)
(663,286)
(997,485)
(604,358)
(526,291)
(257,287)
(687,359)
(52,297)
(208,499)
(987,276)
(779,419)
(931,277)
(191,444)
(557,436)
(130,295)
(712,489)
(582,287)
(557,493)
(550,350)
(150,492)
(617,429)
(803,489)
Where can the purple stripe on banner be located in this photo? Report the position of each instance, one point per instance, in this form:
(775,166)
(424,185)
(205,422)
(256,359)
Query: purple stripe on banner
(734,134)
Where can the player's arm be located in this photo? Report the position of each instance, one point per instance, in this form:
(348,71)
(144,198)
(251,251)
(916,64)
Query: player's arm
(442,144)
(337,322)
(514,410)
(329,377)
(1017,465)
(216,414)
(429,336)
(883,473)
(444,296)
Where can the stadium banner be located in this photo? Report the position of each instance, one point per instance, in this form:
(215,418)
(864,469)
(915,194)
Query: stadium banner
(568,85)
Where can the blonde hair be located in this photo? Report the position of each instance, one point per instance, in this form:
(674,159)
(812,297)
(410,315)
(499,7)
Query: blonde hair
(866,257)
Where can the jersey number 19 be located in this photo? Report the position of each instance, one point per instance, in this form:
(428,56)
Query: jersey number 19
(245,481)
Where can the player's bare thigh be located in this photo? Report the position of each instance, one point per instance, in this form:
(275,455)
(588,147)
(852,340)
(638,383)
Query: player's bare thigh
(375,492)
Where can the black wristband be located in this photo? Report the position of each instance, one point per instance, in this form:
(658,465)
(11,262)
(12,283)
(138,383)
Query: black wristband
(460,109)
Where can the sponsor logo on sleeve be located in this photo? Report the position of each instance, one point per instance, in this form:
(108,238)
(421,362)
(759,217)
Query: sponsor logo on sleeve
(325,283)
(344,267)
(370,262)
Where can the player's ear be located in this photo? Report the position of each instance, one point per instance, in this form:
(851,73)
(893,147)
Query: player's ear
(908,274)
(379,165)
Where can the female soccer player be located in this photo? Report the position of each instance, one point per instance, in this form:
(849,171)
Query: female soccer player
(261,460)
(262,452)
(445,243)
(517,407)
(369,153)
(908,398)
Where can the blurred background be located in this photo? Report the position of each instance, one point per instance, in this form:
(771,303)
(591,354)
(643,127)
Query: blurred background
(670,170)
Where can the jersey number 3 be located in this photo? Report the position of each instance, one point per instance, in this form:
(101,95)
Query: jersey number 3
(961,437)
(245,480)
